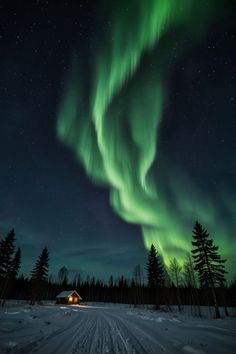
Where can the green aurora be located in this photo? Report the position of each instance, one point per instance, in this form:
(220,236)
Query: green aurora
(113,121)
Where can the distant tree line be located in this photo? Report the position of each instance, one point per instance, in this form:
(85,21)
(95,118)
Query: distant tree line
(200,281)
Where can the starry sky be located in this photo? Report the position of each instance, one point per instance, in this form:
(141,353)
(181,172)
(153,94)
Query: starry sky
(173,164)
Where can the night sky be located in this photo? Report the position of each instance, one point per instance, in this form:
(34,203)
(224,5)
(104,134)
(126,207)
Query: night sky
(116,133)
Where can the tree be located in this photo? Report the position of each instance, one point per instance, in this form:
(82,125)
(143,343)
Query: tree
(175,272)
(11,276)
(138,275)
(7,248)
(63,277)
(137,284)
(208,263)
(40,270)
(78,280)
(15,266)
(155,273)
(6,252)
(39,276)
(111,281)
(190,276)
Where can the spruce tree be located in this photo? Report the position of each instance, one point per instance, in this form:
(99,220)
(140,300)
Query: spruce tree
(155,269)
(189,272)
(39,276)
(40,271)
(190,276)
(15,265)
(155,275)
(138,274)
(6,252)
(63,277)
(175,272)
(7,264)
(208,263)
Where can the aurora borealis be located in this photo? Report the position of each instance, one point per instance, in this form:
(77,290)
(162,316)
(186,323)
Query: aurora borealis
(137,108)
(116,137)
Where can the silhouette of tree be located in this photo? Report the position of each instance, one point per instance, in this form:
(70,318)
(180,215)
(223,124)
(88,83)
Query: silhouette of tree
(155,271)
(7,248)
(15,266)
(39,276)
(190,276)
(208,263)
(40,271)
(175,272)
(6,252)
(63,277)
(138,275)
(155,275)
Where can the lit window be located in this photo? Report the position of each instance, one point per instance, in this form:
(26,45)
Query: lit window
(70,298)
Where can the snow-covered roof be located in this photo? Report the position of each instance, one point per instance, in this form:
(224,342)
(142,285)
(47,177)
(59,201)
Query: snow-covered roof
(68,293)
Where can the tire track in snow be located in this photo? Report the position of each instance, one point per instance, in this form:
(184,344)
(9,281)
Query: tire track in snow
(143,342)
(57,339)
(85,336)
(113,341)
(123,340)
(97,331)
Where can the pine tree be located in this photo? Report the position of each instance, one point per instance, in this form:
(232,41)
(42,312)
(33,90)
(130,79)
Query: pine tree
(40,271)
(6,252)
(137,284)
(63,277)
(111,281)
(138,275)
(189,272)
(155,275)
(208,263)
(155,269)
(39,276)
(7,248)
(15,266)
(190,276)
(175,272)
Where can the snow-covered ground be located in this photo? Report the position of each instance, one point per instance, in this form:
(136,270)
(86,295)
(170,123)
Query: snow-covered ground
(107,328)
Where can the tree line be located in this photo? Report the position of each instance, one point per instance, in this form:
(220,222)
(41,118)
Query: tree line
(200,281)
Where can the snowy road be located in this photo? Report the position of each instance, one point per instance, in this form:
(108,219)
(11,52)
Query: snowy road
(110,329)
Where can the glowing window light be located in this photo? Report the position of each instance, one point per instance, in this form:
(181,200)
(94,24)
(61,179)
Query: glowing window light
(70,298)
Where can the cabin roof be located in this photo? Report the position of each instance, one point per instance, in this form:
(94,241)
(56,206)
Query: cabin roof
(68,293)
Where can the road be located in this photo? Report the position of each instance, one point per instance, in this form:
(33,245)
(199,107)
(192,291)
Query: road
(117,329)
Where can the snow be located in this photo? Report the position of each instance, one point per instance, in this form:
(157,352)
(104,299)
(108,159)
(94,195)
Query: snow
(110,328)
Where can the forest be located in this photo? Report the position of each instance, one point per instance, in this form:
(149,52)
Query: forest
(200,281)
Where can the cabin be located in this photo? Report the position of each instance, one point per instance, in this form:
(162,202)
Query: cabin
(70,297)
